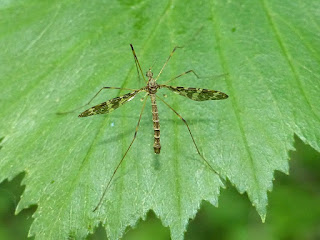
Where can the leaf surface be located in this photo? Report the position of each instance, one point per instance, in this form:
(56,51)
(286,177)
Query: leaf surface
(56,55)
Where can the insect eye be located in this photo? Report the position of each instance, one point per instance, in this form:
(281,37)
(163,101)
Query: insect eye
(149,74)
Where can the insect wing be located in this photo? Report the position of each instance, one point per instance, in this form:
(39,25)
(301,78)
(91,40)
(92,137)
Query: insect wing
(109,106)
(198,94)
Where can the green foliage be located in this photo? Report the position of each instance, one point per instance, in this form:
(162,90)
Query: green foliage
(56,55)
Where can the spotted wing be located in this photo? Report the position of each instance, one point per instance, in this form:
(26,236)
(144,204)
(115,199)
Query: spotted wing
(110,105)
(197,94)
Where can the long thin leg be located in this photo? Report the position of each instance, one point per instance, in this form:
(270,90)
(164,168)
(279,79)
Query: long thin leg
(189,71)
(194,142)
(186,43)
(182,74)
(134,137)
(167,61)
(60,113)
(137,62)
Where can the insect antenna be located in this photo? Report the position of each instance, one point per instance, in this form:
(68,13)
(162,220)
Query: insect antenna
(137,63)
(154,62)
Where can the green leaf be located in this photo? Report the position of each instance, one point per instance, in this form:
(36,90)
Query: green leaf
(56,55)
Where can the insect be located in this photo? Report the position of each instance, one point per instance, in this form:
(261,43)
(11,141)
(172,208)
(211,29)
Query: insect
(151,88)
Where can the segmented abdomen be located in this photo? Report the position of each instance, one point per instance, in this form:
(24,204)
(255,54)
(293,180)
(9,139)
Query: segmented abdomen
(156,124)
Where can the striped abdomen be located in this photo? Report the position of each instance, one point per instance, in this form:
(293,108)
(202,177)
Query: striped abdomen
(156,124)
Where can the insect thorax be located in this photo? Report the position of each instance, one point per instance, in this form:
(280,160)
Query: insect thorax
(152,86)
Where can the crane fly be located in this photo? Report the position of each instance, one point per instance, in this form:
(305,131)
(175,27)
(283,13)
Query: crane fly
(151,88)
